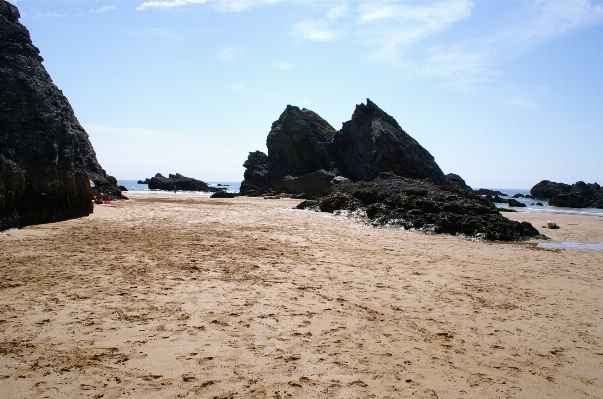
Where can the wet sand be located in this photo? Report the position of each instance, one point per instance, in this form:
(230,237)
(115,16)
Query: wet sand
(176,296)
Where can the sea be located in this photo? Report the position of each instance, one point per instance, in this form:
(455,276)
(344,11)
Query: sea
(545,209)
(133,186)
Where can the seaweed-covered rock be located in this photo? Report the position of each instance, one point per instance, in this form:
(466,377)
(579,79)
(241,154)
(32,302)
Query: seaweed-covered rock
(46,158)
(421,205)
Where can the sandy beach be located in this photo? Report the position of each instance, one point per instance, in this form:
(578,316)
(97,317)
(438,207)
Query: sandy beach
(183,296)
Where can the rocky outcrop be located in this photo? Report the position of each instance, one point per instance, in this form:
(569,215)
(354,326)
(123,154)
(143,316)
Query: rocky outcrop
(257,179)
(514,203)
(547,189)
(486,191)
(300,142)
(46,158)
(390,200)
(372,142)
(578,195)
(183,183)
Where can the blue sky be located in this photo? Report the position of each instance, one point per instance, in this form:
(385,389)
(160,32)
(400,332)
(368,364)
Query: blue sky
(503,93)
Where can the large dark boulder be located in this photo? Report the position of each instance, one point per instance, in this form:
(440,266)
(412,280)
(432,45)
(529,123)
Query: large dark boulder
(578,195)
(547,189)
(257,180)
(299,143)
(46,158)
(183,183)
(315,182)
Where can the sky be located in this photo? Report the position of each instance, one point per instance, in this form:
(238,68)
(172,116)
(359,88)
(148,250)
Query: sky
(503,93)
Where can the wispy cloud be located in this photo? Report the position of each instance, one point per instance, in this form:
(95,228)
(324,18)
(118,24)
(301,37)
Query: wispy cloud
(283,65)
(547,20)
(104,9)
(401,25)
(240,5)
(168,4)
(229,53)
(317,29)
(47,15)
(543,20)
(98,11)
(338,11)
(218,5)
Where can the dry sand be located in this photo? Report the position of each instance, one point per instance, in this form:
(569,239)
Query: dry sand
(176,296)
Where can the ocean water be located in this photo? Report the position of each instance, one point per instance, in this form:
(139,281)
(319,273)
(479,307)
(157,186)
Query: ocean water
(545,209)
(132,185)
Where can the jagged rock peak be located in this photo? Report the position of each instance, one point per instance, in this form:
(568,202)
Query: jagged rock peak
(373,142)
(9,11)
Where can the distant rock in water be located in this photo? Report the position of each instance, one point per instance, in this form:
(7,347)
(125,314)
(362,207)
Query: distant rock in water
(578,195)
(371,165)
(485,191)
(183,183)
(46,158)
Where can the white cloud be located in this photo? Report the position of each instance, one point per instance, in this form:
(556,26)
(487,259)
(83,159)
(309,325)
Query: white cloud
(372,13)
(104,9)
(218,5)
(547,20)
(316,29)
(338,11)
(229,53)
(168,4)
(283,65)
(240,5)
(400,25)
(48,15)
(542,20)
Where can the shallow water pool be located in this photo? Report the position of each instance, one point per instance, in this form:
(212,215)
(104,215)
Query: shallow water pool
(572,245)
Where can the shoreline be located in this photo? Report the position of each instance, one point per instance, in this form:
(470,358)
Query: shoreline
(167,295)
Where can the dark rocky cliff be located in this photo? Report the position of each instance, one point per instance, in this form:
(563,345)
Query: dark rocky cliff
(46,158)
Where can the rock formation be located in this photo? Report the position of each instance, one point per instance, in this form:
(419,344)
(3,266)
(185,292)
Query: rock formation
(160,182)
(46,158)
(301,142)
(578,195)
(390,200)
(374,167)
